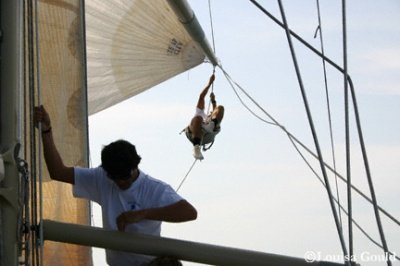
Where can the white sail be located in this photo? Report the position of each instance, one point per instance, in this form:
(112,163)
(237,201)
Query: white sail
(132,45)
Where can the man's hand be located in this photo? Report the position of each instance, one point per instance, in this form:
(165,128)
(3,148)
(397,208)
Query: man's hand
(212,78)
(40,115)
(212,96)
(129,217)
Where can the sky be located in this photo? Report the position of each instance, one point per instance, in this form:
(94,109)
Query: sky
(253,190)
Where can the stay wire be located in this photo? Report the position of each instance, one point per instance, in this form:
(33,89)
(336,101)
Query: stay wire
(276,123)
(321,39)
(313,131)
(358,124)
(337,201)
(293,141)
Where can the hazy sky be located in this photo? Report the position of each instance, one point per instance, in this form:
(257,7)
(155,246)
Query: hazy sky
(253,190)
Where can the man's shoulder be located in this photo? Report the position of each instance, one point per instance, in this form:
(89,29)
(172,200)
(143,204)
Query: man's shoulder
(151,181)
(97,174)
(90,170)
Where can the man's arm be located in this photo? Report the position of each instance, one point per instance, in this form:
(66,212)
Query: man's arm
(200,102)
(181,211)
(57,170)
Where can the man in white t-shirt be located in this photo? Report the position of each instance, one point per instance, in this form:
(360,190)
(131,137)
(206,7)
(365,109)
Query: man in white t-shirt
(203,128)
(131,200)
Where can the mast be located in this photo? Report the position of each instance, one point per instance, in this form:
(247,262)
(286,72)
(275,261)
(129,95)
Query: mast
(10,80)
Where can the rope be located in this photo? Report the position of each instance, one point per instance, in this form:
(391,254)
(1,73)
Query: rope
(209,102)
(319,29)
(184,179)
(232,83)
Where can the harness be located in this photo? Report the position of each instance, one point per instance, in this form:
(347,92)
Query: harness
(208,136)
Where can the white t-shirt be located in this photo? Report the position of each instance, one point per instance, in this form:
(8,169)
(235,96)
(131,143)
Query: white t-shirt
(145,192)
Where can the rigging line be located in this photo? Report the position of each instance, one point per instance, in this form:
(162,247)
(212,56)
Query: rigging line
(22,201)
(301,40)
(184,179)
(212,90)
(212,27)
(357,117)
(295,140)
(276,123)
(313,131)
(232,83)
(388,215)
(319,28)
(337,201)
(31,84)
(38,84)
(368,172)
(213,41)
(347,131)
(27,209)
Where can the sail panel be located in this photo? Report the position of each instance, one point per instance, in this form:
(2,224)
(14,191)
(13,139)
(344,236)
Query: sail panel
(63,93)
(132,46)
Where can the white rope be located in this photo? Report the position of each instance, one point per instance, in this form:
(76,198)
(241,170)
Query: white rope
(187,174)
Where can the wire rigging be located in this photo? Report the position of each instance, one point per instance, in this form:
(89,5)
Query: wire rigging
(293,141)
(292,137)
(337,201)
(313,131)
(358,123)
(321,39)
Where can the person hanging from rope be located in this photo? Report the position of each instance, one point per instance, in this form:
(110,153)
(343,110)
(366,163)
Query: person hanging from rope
(131,200)
(203,128)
